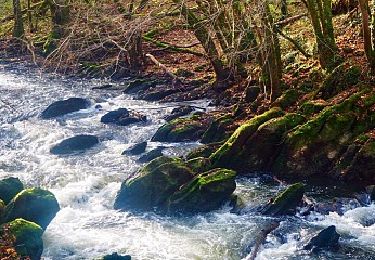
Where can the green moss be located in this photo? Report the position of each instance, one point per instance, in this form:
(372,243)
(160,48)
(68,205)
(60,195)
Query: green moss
(286,201)
(235,143)
(199,164)
(28,238)
(287,99)
(205,192)
(9,187)
(312,107)
(36,205)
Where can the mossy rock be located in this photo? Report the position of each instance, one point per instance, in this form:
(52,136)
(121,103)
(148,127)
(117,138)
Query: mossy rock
(156,182)
(286,202)
(340,79)
(315,147)
(226,156)
(181,130)
(204,150)
(36,205)
(199,164)
(28,236)
(216,132)
(207,191)
(9,188)
(312,107)
(287,99)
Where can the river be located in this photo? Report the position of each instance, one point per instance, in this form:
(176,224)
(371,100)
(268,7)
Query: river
(85,185)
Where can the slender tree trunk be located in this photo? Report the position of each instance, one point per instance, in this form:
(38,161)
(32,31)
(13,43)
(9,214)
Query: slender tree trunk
(18,29)
(368,34)
(60,17)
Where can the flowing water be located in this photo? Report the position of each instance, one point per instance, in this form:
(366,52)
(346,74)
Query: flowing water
(85,185)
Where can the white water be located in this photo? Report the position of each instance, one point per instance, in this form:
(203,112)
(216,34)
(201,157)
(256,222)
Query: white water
(85,185)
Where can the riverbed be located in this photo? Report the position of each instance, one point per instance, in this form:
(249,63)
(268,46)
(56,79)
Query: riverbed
(85,185)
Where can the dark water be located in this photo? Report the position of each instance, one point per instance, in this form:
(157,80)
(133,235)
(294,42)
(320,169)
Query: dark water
(85,185)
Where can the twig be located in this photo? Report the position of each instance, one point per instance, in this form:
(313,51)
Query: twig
(295,43)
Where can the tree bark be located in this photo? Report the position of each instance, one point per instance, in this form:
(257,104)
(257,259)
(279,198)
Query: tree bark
(18,29)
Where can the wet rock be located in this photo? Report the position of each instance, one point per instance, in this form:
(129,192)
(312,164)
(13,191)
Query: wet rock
(156,182)
(136,149)
(142,84)
(170,185)
(181,130)
(122,117)
(158,93)
(78,143)
(371,191)
(206,192)
(216,132)
(204,150)
(327,238)
(28,238)
(9,188)
(157,152)
(35,205)
(179,112)
(115,256)
(286,202)
(64,107)
(251,93)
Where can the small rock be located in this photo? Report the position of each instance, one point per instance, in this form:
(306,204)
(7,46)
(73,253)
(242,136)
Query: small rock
(327,238)
(157,152)
(251,93)
(115,256)
(179,111)
(63,107)
(136,149)
(122,117)
(75,144)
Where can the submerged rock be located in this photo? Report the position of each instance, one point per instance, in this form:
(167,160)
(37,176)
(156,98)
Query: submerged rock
(115,256)
(78,143)
(9,188)
(63,107)
(122,117)
(327,238)
(286,202)
(28,236)
(171,186)
(157,152)
(136,149)
(36,205)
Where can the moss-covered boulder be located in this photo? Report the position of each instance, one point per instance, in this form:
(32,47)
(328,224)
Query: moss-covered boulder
(182,130)
(229,155)
(9,188)
(309,108)
(28,236)
(36,205)
(207,191)
(341,78)
(204,150)
(287,99)
(315,147)
(155,183)
(172,185)
(286,202)
(217,130)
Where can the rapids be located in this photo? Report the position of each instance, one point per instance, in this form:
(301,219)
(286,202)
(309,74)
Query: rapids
(85,185)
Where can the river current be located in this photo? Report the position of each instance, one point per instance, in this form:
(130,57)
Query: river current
(85,185)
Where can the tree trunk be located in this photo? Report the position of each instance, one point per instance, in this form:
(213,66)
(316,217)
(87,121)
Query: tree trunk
(60,17)
(368,37)
(135,53)
(18,29)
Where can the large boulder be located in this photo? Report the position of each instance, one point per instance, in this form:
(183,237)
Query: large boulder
(78,143)
(170,185)
(63,107)
(207,191)
(181,130)
(9,188)
(35,205)
(122,117)
(156,182)
(326,239)
(286,202)
(28,237)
